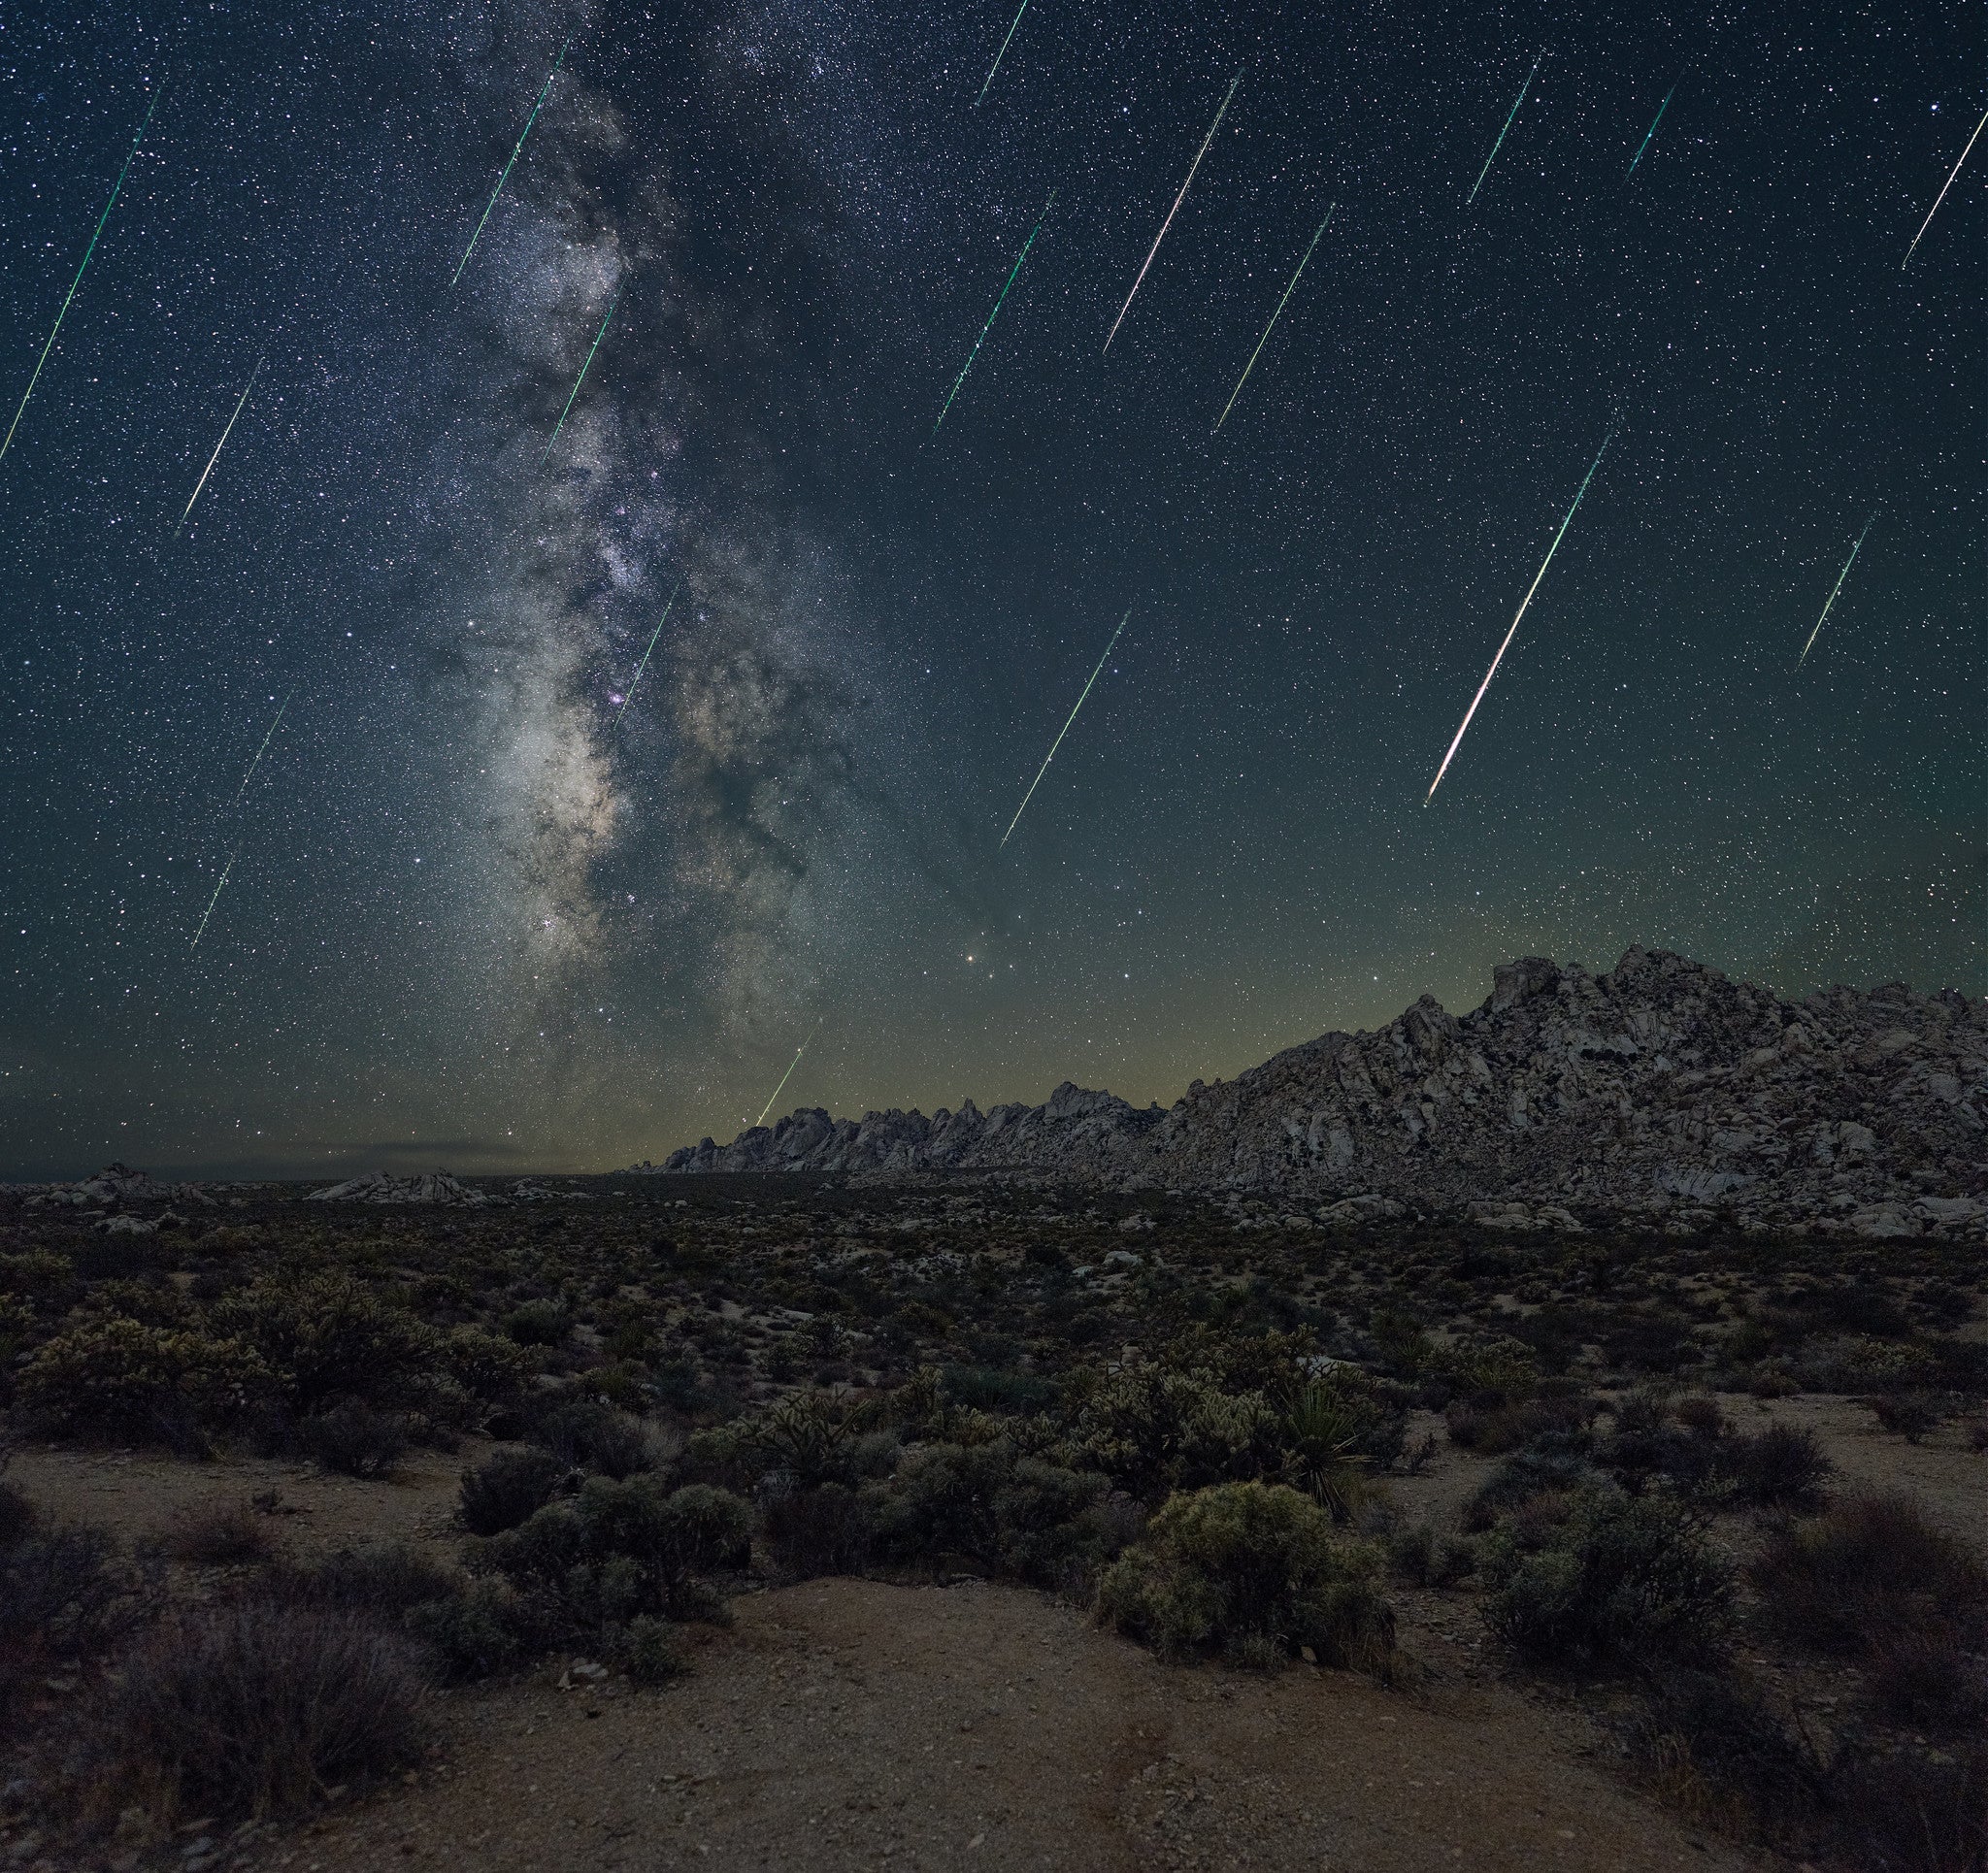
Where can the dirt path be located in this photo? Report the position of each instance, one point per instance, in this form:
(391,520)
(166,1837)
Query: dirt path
(849,1724)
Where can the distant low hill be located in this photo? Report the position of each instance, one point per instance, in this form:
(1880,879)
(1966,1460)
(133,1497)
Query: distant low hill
(1659,1086)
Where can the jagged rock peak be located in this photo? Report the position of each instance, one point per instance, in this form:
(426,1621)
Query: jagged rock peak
(1660,1085)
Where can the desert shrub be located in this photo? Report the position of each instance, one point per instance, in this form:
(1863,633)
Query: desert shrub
(1854,1362)
(825,1529)
(1781,1467)
(484,1366)
(1325,1432)
(1927,1679)
(18,1516)
(983,1387)
(470,1631)
(121,1379)
(1492,1431)
(1254,1571)
(1492,1370)
(1868,1569)
(584,1434)
(63,1594)
(1732,1742)
(1522,1476)
(1910,1415)
(621,1548)
(647,1650)
(329,1336)
(254,1709)
(356,1440)
(1153,1428)
(1623,1579)
(217,1534)
(941,1504)
(506,1488)
(1418,1557)
(386,1579)
(807,1438)
(539,1322)
(1909,1810)
(1059,1528)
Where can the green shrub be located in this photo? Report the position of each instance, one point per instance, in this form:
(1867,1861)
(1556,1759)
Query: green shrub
(646,1648)
(828,1528)
(1623,1579)
(329,1336)
(1154,1429)
(1781,1467)
(539,1322)
(356,1440)
(487,1367)
(121,1379)
(472,1630)
(503,1491)
(1254,1571)
(584,1434)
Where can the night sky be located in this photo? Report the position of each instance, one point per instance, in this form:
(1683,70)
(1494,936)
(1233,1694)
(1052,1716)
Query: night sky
(485,908)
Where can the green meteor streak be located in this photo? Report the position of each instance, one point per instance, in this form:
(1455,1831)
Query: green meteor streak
(996,312)
(1654,122)
(1834,590)
(1060,734)
(1508,115)
(261,751)
(1273,318)
(629,695)
(1003,53)
(505,176)
(788,1074)
(219,446)
(210,902)
(116,191)
(1936,200)
(582,379)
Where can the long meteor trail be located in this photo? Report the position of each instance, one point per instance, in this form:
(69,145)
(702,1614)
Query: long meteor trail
(210,902)
(1060,734)
(788,1074)
(1513,632)
(1003,53)
(503,176)
(1829,603)
(1273,318)
(219,446)
(1174,210)
(116,191)
(582,379)
(628,695)
(1654,122)
(1508,115)
(261,751)
(1929,212)
(996,312)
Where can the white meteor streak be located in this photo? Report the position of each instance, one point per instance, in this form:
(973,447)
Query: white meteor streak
(629,695)
(1174,210)
(1271,326)
(1829,603)
(788,1074)
(1942,196)
(219,446)
(1520,614)
(1060,734)
(1003,53)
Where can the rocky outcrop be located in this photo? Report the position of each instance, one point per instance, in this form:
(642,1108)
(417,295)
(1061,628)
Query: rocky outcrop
(113,1187)
(1659,1086)
(377,1187)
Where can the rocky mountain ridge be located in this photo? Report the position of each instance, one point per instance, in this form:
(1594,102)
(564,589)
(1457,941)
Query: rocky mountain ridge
(1659,1087)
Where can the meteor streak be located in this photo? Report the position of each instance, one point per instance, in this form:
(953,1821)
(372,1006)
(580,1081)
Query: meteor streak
(1834,590)
(261,751)
(1174,210)
(788,1074)
(1273,318)
(1003,53)
(1513,632)
(995,313)
(1929,212)
(115,190)
(629,695)
(219,446)
(210,902)
(1060,734)
(582,379)
(505,174)
(1508,115)
(1654,122)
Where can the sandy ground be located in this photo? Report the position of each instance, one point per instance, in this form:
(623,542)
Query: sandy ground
(851,1724)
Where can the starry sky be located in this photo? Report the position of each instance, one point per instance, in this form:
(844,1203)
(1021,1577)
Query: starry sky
(477,902)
